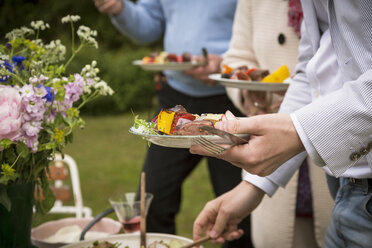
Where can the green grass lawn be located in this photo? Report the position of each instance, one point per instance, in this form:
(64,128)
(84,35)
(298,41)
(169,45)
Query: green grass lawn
(109,160)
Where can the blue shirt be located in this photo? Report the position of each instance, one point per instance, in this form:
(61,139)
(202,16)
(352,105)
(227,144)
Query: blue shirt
(188,26)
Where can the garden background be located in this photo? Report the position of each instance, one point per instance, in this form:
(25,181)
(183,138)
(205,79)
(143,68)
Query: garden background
(109,158)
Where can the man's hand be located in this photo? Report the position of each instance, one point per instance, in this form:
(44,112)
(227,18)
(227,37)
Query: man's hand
(220,217)
(111,7)
(201,72)
(273,141)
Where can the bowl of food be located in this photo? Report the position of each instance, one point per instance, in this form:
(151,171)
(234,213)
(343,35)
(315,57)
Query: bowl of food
(132,240)
(57,233)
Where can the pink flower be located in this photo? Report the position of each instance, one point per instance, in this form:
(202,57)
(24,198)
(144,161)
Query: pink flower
(32,128)
(10,112)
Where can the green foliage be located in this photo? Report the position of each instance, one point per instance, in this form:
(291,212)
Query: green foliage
(19,165)
(5,143)
(133,87)
(44,206)
(4,199)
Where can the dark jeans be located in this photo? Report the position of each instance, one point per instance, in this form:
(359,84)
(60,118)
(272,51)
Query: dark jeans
(167,168)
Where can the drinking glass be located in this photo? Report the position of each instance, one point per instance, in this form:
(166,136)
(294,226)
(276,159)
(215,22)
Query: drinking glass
(128,209)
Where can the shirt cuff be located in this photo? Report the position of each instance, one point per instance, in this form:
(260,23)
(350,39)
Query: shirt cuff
(261,182)
(124,16)
(309,147)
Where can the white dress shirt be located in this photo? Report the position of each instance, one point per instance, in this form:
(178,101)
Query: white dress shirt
(324,77)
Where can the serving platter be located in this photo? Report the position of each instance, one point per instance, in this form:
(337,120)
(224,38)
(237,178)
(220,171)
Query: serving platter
(131,240)
(249,85)
(177,141)
(170,66)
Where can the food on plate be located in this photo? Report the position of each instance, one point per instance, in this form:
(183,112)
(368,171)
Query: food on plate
(278,76)
(177,121)
(254,74)
(244,73)
(105,244)
(165,57)
(173,243)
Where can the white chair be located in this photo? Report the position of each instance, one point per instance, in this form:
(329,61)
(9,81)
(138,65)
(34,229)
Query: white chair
(58,173)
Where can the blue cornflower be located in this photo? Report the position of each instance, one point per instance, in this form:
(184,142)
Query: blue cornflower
(18,61)
(8,46)
(50,95)
(9,67)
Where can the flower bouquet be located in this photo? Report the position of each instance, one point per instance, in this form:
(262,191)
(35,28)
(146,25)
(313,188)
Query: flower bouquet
(39,104)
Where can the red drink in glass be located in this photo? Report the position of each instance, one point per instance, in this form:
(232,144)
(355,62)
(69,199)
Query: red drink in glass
(131,225)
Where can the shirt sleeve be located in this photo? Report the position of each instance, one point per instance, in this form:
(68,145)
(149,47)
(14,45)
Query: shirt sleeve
(278,178)
(261,182)
(310,149)
(143,22)
(342,130)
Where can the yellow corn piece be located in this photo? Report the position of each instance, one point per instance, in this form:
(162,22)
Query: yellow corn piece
(277,76)
(165,121)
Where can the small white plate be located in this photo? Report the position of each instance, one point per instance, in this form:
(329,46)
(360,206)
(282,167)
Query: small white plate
(177,141)
(171,66)
(41,233)
(132,240)
(249,85)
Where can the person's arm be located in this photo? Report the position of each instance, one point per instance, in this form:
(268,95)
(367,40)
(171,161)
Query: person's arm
(325,127)
(342,131)
(143,22)
(220,217)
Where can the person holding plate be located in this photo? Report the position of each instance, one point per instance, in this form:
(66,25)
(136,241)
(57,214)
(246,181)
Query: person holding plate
(297,215)
(187,26)
(326,115)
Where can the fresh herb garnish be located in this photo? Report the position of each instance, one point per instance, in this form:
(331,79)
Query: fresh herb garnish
(143,126)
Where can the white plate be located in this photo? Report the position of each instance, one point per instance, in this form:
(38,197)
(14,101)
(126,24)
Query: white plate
(177,141)
(171,66)
(249,85)
(40,233)
(132,240)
